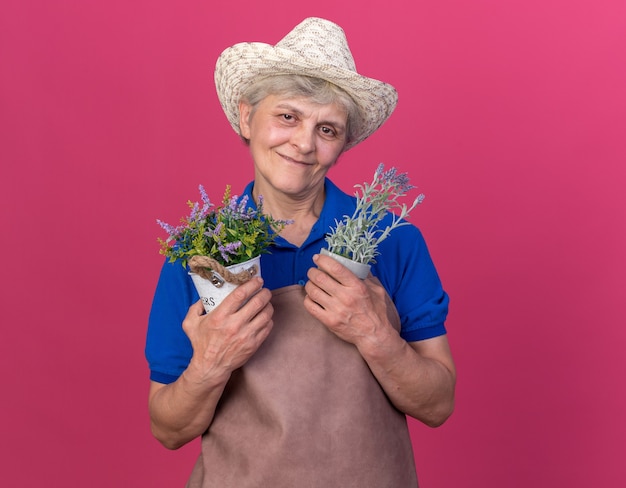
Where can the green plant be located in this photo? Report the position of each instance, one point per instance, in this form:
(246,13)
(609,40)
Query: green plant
(357,237)
(231,233)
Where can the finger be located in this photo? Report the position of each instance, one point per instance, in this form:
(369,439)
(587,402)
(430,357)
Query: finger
(193,317)
(335,269)
(255,305)
(314,308)
(240,295)
(196,309)
(315,291)
(319,278)
(262,323)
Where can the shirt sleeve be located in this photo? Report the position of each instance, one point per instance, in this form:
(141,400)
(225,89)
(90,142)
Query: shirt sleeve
(168,349)
(408,273)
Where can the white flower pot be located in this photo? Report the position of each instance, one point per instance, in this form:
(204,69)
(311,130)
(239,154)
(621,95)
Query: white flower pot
(359,269)
(212,292)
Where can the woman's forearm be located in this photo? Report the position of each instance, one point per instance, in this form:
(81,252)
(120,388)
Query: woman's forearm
(183,410)
(419,378)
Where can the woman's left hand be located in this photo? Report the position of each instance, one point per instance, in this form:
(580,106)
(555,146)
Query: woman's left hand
(353,309)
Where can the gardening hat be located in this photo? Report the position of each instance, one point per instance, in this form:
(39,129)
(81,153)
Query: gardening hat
(317,48)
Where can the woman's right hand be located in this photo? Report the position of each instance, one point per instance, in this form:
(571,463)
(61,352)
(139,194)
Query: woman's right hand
(226,338)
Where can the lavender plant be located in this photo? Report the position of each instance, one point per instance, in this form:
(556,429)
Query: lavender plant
(357,237)
(231,233)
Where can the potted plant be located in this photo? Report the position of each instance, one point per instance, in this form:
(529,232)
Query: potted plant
(355,239)
(220,245)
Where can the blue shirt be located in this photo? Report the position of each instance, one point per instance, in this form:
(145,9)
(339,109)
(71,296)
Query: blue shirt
(404,268)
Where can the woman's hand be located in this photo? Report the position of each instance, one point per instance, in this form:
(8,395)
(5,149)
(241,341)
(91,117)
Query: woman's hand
(354,309)
(225,339)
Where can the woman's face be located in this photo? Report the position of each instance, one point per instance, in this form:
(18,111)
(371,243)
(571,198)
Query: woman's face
(293,143)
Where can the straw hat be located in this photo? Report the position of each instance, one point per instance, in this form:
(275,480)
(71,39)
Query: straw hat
(315,47)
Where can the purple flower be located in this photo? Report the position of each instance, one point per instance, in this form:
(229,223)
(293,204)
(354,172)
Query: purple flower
(170,229)
(205,200)
(397,182)
(215,231)
(195,212)
(230,248)
(240,207)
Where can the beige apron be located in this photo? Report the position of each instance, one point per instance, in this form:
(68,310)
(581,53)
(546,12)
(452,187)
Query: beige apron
(305,412)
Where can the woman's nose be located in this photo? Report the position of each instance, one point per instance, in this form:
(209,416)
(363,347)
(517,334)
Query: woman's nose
(303,138)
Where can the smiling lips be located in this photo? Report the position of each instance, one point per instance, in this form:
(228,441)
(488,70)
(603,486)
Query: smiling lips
(292,160)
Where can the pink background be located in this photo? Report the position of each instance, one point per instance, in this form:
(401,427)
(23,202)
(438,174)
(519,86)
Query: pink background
(512,119)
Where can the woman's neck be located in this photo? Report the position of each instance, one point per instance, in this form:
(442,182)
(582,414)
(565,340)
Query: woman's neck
(303,211)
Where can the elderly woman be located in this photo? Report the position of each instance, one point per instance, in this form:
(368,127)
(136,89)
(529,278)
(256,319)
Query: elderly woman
(304,377)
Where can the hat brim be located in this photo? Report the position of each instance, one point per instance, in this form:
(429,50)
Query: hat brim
(240,65)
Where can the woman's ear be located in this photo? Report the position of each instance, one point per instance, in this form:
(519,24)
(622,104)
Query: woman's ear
(244,119)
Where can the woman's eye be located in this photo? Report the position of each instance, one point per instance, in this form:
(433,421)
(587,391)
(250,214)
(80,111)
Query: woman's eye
(327,131)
